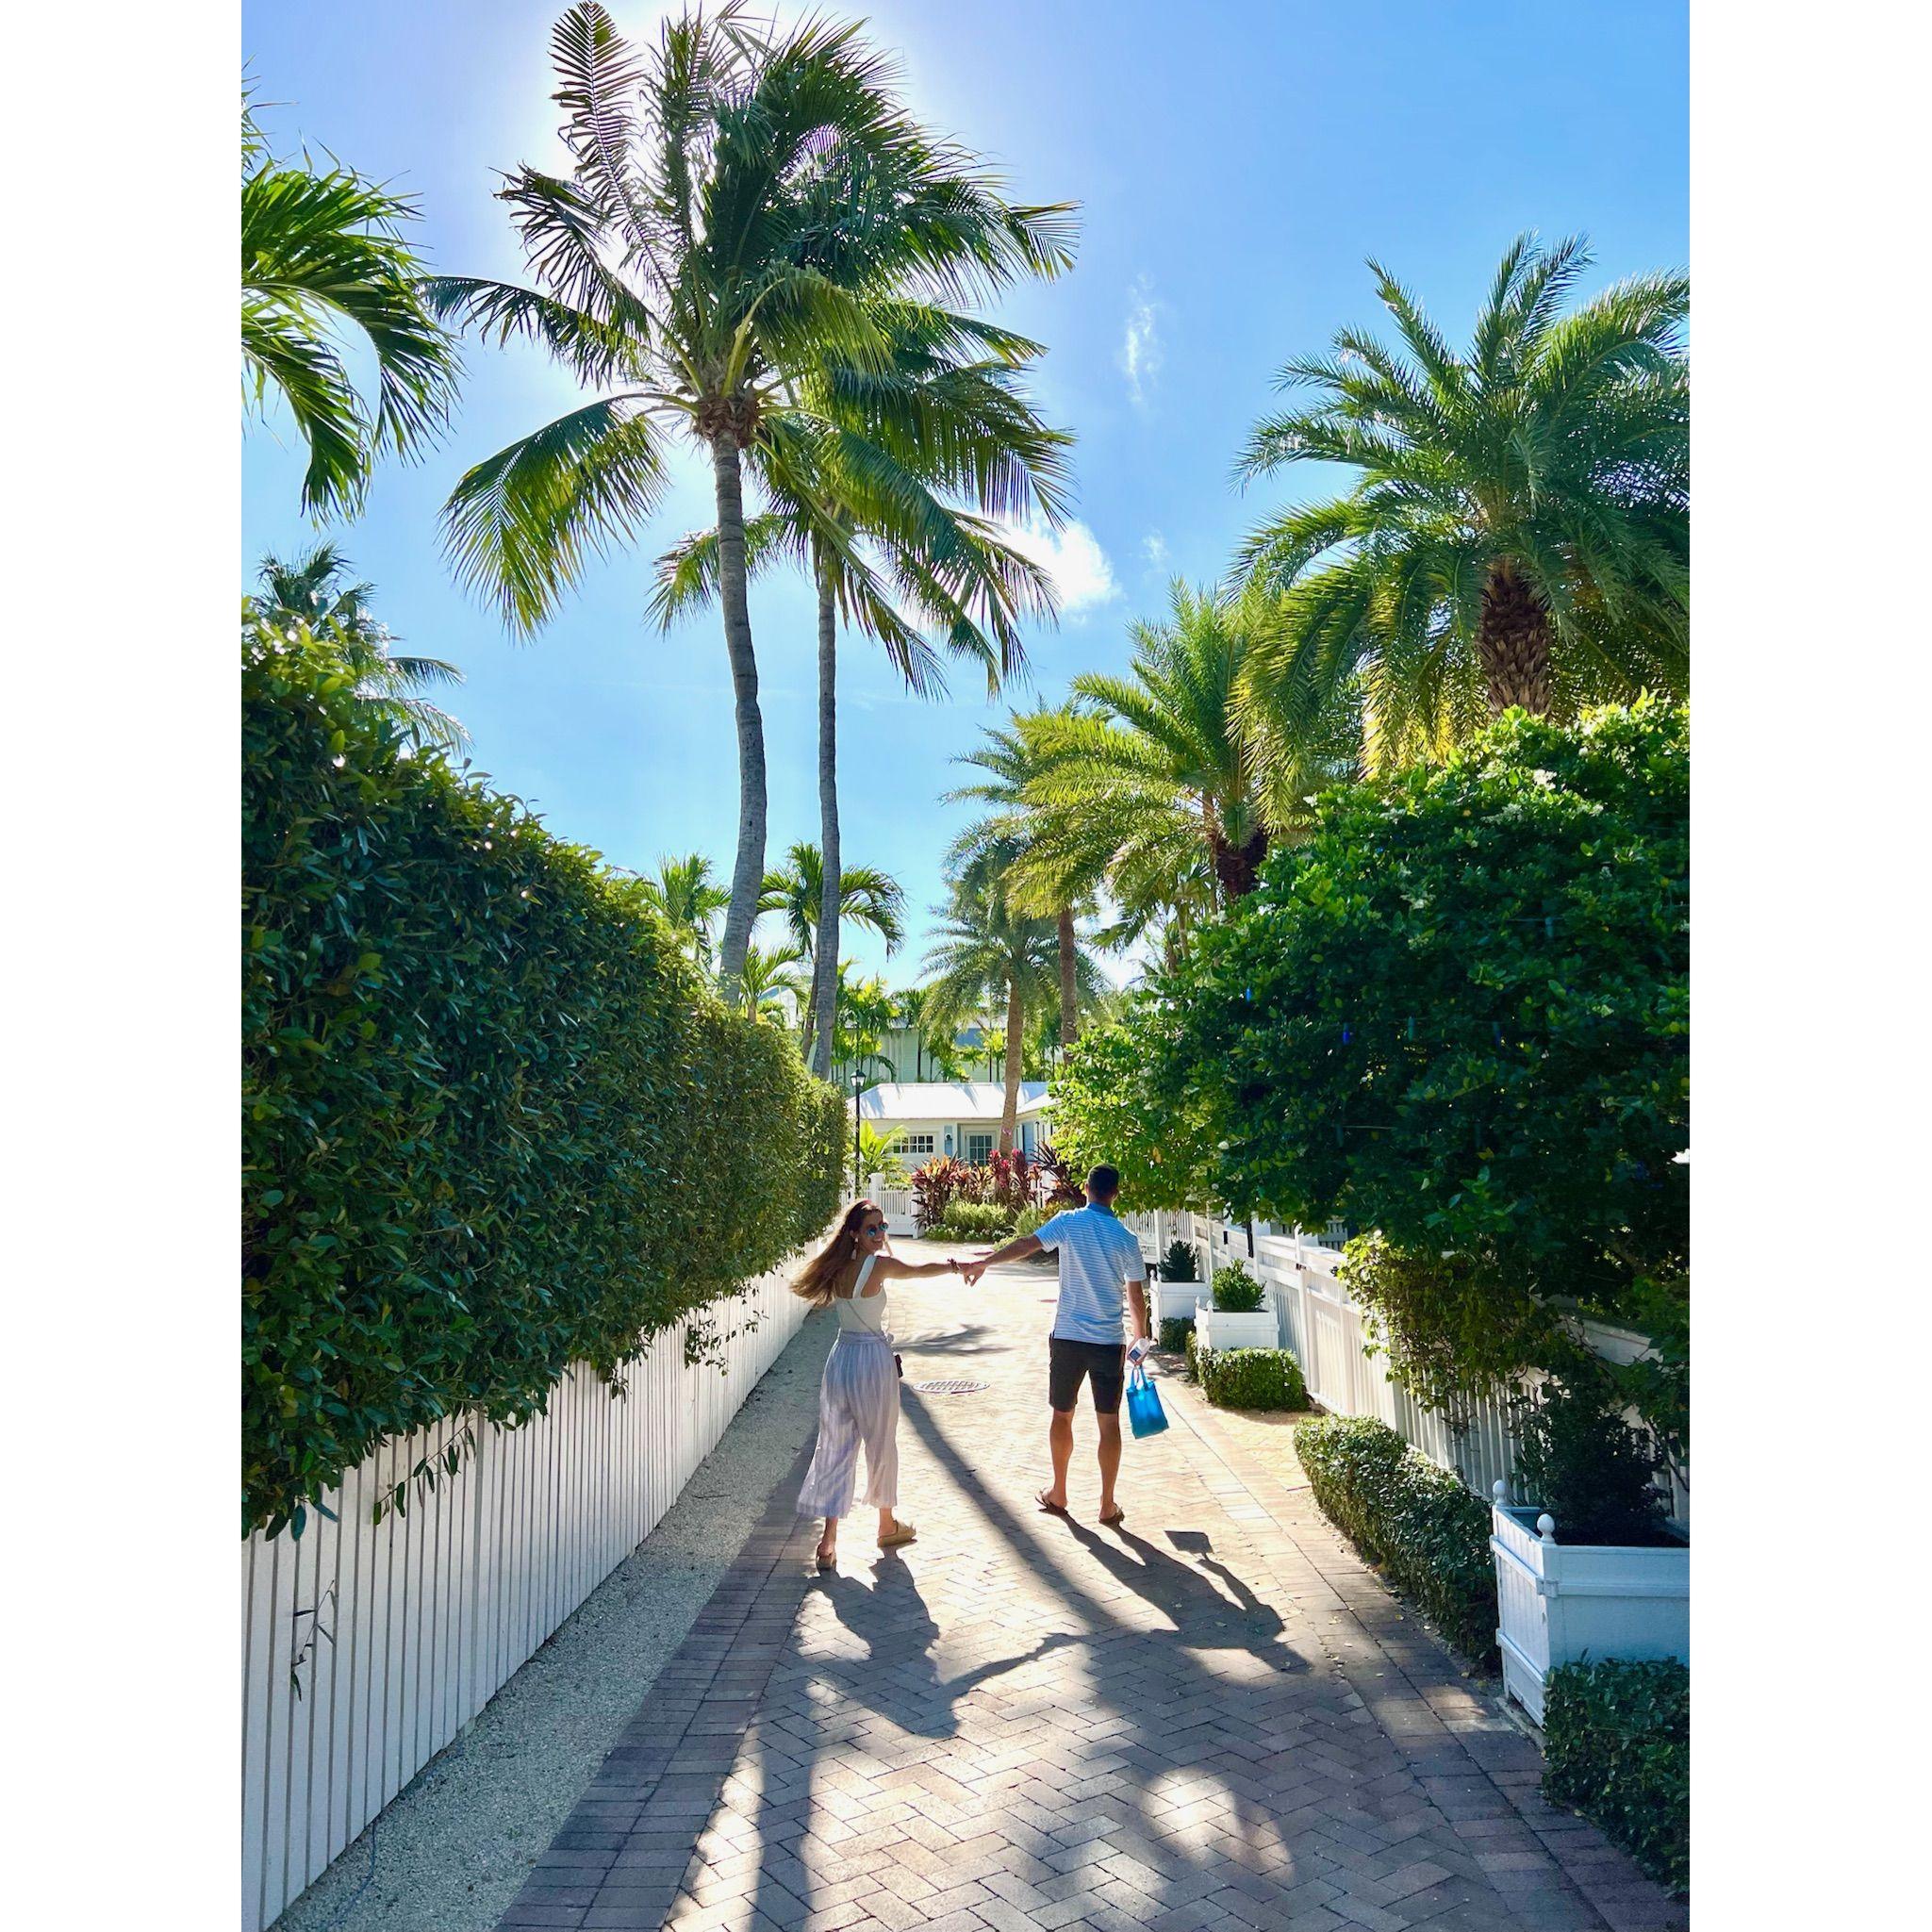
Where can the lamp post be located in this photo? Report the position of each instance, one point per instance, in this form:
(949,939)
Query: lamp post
(858,1179)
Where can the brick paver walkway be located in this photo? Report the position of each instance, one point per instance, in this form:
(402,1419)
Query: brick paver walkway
(1214,1717)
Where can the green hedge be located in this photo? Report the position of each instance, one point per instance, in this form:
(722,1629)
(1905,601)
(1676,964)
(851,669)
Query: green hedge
(1617,1748)
(1176,1333)
(1250,1378)
(493,1122)
(1415,1520)
(971,1221)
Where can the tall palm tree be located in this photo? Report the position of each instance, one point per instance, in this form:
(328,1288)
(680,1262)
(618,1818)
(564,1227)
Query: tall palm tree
(1156,770)
(865,895)
(876,451)
(736,197)
(684,892)
(1519,531)
(324,259)
(1062,877)
(988,957)
(313,591)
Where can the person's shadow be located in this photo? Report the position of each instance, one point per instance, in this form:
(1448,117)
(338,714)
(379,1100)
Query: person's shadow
(1201,1615)
(897,1676)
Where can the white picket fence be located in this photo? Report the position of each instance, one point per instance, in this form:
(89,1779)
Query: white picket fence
(367,1647)
(1322,1328)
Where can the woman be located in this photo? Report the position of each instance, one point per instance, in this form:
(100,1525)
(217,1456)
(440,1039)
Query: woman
(858,1400)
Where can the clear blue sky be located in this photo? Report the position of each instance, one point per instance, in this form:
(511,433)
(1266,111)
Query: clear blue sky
(1234,164)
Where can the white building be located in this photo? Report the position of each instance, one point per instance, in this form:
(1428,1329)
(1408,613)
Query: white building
(958,1118)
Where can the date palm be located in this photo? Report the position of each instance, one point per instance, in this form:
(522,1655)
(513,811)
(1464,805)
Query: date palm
(1152,772)
(314,590)
(324,259)
(735,195)
(683,891)
(1519,530)
(989,957)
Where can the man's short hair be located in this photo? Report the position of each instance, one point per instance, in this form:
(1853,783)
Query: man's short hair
(1104,1180)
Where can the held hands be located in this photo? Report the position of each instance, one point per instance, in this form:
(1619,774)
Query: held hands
(971,1271)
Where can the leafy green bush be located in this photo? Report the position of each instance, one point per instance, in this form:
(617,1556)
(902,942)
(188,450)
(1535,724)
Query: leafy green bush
(1176,1333)
(1578,1459)
(1191,1348)
(1415,1520)
(1182,1261)
(1250,1378)
(492,1121)
(1617,1748)
(1236,1291)
(1104,1110)
(1459,1012)
(972,1221)
(1030,1220)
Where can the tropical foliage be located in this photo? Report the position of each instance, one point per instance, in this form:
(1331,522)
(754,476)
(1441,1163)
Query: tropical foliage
(987,957)
(312,592)
(493,1123)
(683,893)
(1519,530)
(325,261)
(1459,1014)
(744,211)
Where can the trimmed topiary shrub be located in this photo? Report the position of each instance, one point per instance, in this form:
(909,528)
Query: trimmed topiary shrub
(493,1123)
(1182,1261)
(1250,1378)
(1411,1517)
(1617,1748)
(1236,1291)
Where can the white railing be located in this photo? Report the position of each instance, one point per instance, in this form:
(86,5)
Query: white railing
(1322,1328)
(397,1633)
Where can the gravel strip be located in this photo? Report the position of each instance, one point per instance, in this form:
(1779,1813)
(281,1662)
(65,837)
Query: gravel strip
(452,1849)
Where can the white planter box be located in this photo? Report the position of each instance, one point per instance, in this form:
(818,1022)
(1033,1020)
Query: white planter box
(1562,1603)
(1175,1300)
(1215,1329)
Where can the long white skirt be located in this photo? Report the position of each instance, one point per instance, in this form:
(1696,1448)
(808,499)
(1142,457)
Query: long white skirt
(858,1403)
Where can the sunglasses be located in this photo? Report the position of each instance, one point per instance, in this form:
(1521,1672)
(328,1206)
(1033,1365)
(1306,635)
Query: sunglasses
(874,1227)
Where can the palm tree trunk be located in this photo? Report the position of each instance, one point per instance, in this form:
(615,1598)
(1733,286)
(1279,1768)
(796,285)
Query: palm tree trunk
(1069,986)
(825,957)
(1237,867)
(1015,1047)
(748,874)
(1512,642)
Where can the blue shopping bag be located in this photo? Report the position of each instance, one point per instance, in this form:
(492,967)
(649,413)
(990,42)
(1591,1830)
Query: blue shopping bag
(1144,1415)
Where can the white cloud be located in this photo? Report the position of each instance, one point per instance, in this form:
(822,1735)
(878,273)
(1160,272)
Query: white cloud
(1083,578)
(1154,547)
(1140,349)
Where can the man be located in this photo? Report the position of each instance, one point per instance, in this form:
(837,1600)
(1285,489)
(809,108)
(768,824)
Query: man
(1099,1256)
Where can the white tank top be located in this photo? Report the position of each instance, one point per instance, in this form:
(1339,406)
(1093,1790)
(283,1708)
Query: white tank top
(858,1313)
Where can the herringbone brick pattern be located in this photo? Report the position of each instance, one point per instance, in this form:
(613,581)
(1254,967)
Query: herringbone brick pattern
(1213,1717)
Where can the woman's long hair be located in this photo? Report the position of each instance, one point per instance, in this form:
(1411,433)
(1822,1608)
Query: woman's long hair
(818,1279)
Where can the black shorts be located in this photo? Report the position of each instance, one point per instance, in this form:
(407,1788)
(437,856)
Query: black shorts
(1070,1363)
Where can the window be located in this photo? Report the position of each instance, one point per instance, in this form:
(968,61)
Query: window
(979,1148)
(913,1146)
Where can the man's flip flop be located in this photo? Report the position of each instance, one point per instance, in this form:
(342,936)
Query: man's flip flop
(1051,1509)
(1118,1516)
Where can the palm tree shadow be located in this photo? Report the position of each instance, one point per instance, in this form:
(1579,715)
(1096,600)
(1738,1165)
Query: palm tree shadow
(970,1338)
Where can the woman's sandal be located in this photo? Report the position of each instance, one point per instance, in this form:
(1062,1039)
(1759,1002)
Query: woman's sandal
(828,1560)
(905,1532)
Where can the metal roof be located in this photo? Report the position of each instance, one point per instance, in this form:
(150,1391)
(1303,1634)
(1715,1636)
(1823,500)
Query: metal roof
(948,1100)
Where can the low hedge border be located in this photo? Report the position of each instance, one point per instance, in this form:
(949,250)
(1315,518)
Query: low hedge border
(1415,1520)
(1176,1333)
(1250,1378)
(1617,1748)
